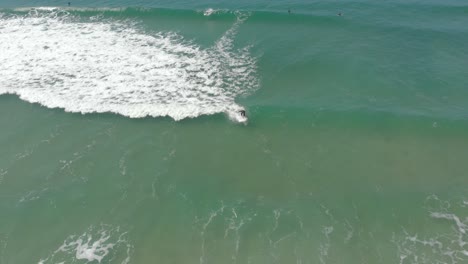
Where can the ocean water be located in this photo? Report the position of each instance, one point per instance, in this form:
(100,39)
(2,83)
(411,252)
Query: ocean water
(121,138)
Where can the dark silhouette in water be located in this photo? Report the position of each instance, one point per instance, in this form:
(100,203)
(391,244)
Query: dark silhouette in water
(242,112)
(69,3)
(339,14)
(289,11)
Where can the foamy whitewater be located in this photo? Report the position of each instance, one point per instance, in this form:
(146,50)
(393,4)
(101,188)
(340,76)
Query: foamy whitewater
(92,246)
(99,65)
(355,150)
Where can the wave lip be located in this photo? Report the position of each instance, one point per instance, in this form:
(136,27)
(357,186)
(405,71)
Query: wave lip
(209,11)
(63,61)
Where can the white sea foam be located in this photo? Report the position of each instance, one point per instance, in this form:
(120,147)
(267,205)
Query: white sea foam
(90,65)
(209,11)
(447,245)
(92,246)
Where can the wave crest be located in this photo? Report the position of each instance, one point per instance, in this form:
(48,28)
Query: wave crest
(98,65)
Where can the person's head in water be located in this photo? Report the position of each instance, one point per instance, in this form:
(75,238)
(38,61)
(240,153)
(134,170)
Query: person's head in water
(242,112)
(69,3)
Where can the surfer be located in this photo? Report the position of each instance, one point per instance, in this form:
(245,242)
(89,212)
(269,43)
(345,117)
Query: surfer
(69,3)
(289,11)
(242,112)
(339,14)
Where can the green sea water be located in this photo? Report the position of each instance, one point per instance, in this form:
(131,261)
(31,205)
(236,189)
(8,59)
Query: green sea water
(121,141)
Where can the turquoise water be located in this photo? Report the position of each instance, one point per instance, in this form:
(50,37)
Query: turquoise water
(121,139)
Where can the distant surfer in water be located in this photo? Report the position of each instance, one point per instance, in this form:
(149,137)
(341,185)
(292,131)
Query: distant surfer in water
(242,112)
(69,3)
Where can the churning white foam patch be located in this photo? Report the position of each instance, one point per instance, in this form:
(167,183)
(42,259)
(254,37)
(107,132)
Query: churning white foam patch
(209,11)
(94,65)
(93,246)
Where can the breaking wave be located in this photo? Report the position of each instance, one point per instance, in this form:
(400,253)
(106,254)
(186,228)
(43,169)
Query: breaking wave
(93,65)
